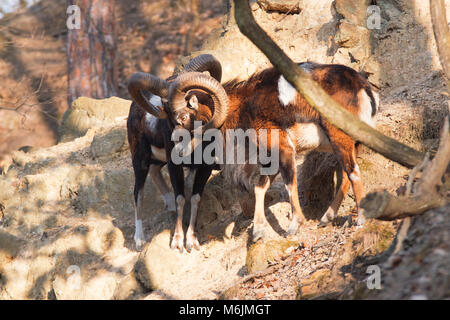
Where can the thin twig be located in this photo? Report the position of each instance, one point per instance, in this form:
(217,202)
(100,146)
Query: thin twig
(24,101)
(414,172)
(401,235)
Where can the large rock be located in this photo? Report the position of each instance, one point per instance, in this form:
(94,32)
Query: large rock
(240,58)
(91,261)
(354,11)
(26,278)
(110,142)
(261,254)
(312,286)
(129,288)
(7,188)
(157,263)
(87,113)
(100,286)
(350,35)
(10,246)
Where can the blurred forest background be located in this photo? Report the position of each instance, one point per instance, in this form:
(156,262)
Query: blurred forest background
(71,204)
(44,65)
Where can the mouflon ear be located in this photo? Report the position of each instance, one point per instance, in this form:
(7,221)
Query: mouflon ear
(193,102)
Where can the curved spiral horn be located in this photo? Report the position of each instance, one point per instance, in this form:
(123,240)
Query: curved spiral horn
(145,81)
(196,80)
(202,63)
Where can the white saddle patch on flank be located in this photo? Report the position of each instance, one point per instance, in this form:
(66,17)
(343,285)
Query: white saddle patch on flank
(286,92)
(308,136)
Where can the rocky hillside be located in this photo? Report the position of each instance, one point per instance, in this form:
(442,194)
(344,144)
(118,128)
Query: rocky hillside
(67,214)
(70,206)
(33,64)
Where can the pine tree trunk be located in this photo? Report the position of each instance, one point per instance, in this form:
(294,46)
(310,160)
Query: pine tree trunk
(91,51)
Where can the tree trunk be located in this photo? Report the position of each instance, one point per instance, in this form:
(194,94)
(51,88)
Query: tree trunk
(91,51)
(190,37)
(442,35)
(318,98)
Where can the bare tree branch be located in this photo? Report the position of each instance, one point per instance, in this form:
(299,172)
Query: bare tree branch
(414,172)
(426,196)
(18,105)
(433,172)
(384,206)
(318,98)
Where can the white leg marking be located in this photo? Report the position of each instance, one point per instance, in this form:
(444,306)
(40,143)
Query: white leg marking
(328,216)
(191,239)
(377,99)
(288,188)
(180,204)
(290,196)
(178,237)
(361,218)
(293,225)
(259,217)
(287,93)
(333,209)
(195,200)
(354,177)
(139,236)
